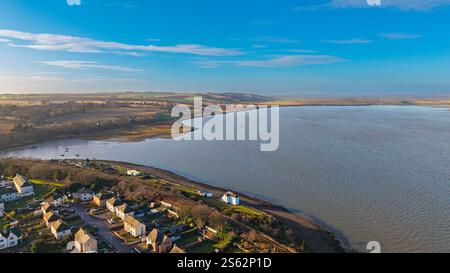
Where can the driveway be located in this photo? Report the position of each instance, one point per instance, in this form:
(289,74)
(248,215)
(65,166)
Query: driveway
(103,230)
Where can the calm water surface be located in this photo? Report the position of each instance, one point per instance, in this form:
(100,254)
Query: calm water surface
(373,173)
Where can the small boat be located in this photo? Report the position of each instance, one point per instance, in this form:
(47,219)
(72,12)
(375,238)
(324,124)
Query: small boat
(77,155)
(62,155)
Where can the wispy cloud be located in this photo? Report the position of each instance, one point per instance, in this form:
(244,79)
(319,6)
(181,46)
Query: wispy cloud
(349,41)
(301,51)
(272,39)
(407,5)
(55,42)
(399,36)
(89,65)
(123,5)
(276,61)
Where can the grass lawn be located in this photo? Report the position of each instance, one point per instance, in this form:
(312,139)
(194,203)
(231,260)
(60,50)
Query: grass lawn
(243,210)
(50,247)
(205,247)
(188,237)
(48,183)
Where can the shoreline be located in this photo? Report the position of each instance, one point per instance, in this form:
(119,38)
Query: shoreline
(317,236)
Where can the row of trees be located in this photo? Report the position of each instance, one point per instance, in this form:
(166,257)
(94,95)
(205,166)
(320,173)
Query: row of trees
(73,178)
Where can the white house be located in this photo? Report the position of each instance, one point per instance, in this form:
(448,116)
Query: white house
(60,230)
(205,193)
(23,186)
(9,239)
(231,198)
(8,194)
(133,173)
(4,182)
(84,195)
(2,208)
(133,226)
(56,199)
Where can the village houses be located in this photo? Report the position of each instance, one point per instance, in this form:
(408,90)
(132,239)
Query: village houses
(10,238)
(158,242)
(8,194)
(134,226)
(83,195)
(49,218)
(84,242)
(60,230)
(113,203)
(100,198)
(124,210)
(23,186)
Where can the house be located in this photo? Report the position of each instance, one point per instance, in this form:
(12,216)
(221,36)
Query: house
(177,250)
(133,173)
(133,226)
(8,194)
(10,238)
(124,210)
(49,218)
(113,203)
(84,242)
(83,195)
(2,209)
(60,230)
(4,183)
(101,198)
(231,198)
(165,204)
(159,242)
(47,207)
(23,186)
(205,193)
(56,199)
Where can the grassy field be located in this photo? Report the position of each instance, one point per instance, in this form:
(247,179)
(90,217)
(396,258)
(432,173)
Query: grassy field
(243,210)
(48,183)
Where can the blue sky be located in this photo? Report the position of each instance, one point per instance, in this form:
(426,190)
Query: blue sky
(322,47)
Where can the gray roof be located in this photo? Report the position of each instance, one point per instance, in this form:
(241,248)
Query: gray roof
(7,190)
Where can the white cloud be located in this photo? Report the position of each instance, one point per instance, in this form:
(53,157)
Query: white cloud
(410,5)
(399,36)
(73,2)
(89,65)
(55,42)
(350,41)
(277,61)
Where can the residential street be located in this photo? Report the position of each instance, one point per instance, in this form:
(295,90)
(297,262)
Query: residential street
(103,230)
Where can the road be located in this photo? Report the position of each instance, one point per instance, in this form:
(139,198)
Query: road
(103,230)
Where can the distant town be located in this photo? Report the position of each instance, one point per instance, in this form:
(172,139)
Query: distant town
(97,214)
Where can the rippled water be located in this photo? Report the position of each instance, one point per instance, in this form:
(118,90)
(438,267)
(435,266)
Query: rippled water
(374,173)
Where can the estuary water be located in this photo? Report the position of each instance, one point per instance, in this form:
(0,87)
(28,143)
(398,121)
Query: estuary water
(373,173)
